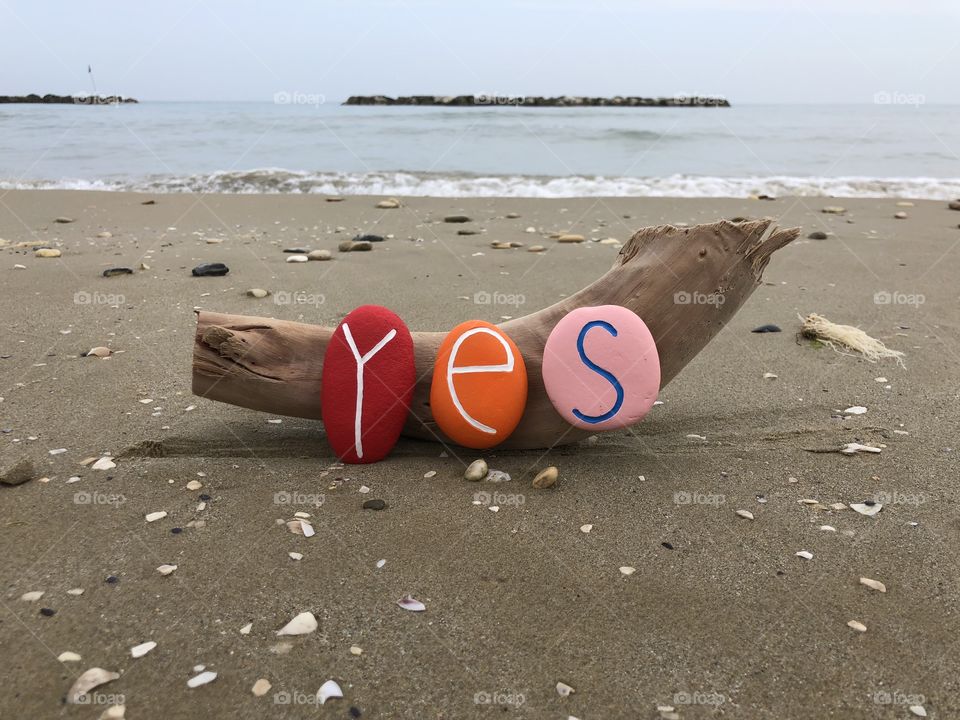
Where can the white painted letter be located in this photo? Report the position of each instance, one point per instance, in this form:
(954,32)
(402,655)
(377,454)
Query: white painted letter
(361,361)
(451,371)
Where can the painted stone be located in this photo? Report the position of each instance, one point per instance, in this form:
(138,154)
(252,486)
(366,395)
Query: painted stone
(479,387)
(368,380)
(601,369)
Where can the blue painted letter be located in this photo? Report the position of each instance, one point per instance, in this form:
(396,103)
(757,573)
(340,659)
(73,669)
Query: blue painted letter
(606,374)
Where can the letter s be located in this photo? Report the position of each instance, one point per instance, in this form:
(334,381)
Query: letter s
(605,374)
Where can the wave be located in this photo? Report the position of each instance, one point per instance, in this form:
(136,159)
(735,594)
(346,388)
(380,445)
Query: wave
(280,181)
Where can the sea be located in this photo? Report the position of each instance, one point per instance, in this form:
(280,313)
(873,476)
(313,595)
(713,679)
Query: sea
(895,147)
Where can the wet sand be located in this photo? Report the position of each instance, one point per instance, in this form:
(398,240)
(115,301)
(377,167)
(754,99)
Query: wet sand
(720,618)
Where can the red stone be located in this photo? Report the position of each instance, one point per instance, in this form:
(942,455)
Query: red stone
(388,379)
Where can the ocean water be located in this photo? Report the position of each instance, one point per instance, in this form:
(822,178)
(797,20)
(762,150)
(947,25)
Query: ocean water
(307,145)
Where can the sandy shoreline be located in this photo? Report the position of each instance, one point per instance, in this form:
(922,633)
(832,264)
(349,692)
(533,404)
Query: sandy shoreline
(726,620)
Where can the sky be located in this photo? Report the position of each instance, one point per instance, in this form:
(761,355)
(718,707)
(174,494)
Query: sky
(749,51)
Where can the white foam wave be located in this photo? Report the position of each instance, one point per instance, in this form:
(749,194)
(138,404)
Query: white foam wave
(275,180)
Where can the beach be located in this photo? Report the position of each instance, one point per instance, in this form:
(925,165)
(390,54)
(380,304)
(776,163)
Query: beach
(633,581)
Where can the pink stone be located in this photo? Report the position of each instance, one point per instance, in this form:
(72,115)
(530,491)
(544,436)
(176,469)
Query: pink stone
(600,368)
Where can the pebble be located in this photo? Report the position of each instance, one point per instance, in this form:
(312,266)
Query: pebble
(319,255)
(468,231)
(546,478)
(201,679)
(900,215)
(106,234)
(512,215)
(18,474)
(368,238)
(166,569)
(47,612)
(210,270)
(817,235)
(257,293)
(46,253)
(63,220)
(375,504)
(356,650)
(585,529)
(767,329)
(610,241)
(834,210)
(858,626)
(530,229)
(570,238)
(154,516)
(564,690)
(456,219)
(194,485)
(298,259)
(496,245)
(745,514)
(32,596)
(954,205)
(536,248)
(297,250)
(303,624)
(855,410)
(115,271)
(388,204)
(99,351)
(477,470)
(68,656)
(104,463)
(627,570)
(261,687)
(873,584)
(295,555)
(429,474)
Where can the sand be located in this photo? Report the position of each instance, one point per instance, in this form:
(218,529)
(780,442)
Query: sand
(720,618)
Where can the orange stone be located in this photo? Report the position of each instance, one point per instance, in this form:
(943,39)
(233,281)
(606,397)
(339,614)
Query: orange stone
(479,385)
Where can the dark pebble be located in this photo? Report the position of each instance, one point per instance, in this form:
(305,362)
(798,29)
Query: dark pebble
(361,246)
(767,329)
(210,270)
(355,712)
(468,232)
(176,531)
(817,235)
(667,545)
(376,504)
(149,202)
(204,497)
(48,612)
(297,251)
(368,238)
(456,219)
(114,271)
(112,579)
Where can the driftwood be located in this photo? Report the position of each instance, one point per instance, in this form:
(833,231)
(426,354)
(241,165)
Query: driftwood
(685,283)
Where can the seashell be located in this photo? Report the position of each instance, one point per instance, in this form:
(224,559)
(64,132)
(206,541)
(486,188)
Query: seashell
(854,448)
(627,570)
(166,569)
(328,690)
(99,351)
(408,602)
(68,656)
(856,625)
(245,630)
(94,677)
(869,508)
(154,516)
(142,649)
(918,710)
(104,463)
(873,584)
(564,690)
(805,554)
(32,596)
(855,410)
(303,624)
(546,478)
(194,485)
(745,514)
(497,476)
(298,259)
(477,470)
(295,555)
(201,679)
(356,650)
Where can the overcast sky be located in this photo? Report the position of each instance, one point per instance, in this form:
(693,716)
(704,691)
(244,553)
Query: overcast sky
(806,51)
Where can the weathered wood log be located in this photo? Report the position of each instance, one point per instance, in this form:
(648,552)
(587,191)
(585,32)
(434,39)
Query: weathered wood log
(685,283)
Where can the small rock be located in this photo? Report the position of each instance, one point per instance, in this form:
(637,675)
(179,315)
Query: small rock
(154,516)
(298,259)
(873,584)
(345,246)
(46,253)
(116,271)
(834,210)
(18,474)
(368,238)
(297,250)
(476,471)
(570,238)
(512,215)
(104,463)
(303,624)
(457,219)
(210,270)
(900,215)
(63,220)
(767,329)
(361,246)
(105,235)
(546,478)
(262,686)
(319,255)
(855,625)
(201,679)
(32,596)
(375,504)
(954,205)
(627,570)
(99,351)
(48,612)
(68,656)
(536,248)
(257,292)
(166,569)
(388,204)
(194,485)
(501,245)
(468,231)
(818,235)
